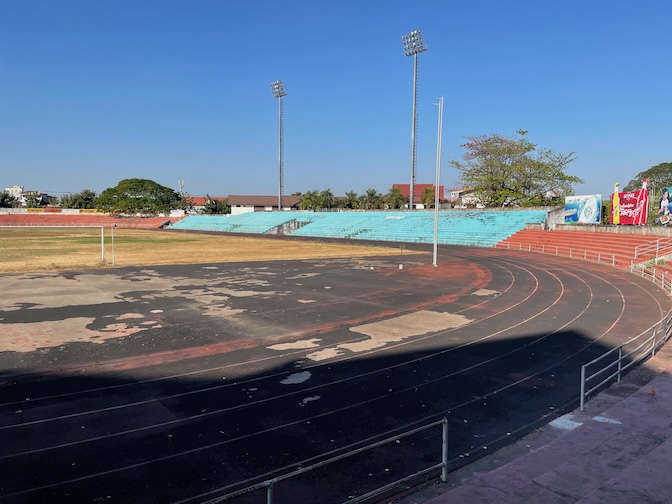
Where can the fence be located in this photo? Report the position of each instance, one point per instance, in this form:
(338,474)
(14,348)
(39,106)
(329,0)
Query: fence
(586,255)
(662,280)
(660,247)
(611,365)
(268,485)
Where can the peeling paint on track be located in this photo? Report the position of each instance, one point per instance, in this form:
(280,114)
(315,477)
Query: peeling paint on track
(177,384)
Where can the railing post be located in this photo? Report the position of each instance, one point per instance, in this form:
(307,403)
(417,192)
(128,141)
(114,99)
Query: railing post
(620,363)
(444,451)
(269,493)
(653,343)
(583,386)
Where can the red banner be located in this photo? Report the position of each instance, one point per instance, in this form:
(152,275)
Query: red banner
(633,206)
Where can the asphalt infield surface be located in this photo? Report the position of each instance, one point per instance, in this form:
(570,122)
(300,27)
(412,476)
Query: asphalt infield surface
(180,384)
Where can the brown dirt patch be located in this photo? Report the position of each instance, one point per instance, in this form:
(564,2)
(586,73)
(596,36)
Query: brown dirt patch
(41,248)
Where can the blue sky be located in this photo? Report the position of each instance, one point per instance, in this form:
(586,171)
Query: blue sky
(96,91)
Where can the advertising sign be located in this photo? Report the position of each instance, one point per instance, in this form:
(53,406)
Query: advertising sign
(632,206)
(583,209)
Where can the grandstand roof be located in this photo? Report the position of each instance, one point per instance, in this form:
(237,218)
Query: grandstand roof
(417,190)
(262,201)
(199,201)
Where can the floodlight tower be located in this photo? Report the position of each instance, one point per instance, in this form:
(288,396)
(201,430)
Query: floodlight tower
(414,44)
(278,91)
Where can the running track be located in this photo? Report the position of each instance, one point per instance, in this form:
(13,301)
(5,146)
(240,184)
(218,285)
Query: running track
(179,384)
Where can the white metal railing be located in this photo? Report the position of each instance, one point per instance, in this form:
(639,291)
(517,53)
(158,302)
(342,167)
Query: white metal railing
(586,255)
(269,484)
(612,364)
(660,278)
(660,247)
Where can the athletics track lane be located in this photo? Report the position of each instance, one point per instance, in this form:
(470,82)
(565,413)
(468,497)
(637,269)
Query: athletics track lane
(179,384)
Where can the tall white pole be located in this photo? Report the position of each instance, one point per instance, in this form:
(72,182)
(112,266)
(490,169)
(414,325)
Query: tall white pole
(439,141)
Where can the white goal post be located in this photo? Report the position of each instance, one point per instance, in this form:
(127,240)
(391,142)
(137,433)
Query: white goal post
(46,232)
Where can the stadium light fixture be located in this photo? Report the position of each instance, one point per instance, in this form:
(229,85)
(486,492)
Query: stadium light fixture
(278,91)
(414,44)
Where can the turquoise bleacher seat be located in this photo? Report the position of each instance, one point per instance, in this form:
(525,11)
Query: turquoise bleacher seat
(483,228)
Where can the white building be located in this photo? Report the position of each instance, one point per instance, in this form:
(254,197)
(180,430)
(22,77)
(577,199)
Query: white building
(15,191)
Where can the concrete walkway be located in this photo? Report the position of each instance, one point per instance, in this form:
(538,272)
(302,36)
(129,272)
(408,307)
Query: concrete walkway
(617,451)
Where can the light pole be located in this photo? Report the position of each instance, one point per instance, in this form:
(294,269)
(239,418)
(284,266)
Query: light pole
(278,91)
(414,44)
(439,141)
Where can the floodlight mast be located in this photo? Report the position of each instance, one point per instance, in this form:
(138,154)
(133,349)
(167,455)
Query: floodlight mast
(414,44)
(278,91)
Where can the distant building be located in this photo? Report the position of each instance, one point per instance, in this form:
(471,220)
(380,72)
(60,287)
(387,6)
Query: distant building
(464,197)
(22,195)
(43,198)
(200,201)
(15,191)
(418,189)
(242,204)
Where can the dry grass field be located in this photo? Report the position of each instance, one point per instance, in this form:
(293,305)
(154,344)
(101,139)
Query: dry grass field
(44,249)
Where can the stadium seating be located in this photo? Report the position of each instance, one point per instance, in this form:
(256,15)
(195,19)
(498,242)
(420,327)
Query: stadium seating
(482,228)
(617,248)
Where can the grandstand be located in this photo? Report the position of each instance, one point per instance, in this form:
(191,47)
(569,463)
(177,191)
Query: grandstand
(482,228)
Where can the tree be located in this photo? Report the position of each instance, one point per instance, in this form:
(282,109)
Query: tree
(513,172)
(216,206)
(33,200)
(186,202)
(310,201)
(7,200)
(138,196)
(327,198)
(351,200)
(658,176)
(84,199)
(371,200)
(427,197)
(395,198)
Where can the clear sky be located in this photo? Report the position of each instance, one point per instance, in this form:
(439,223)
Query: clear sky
(96,91)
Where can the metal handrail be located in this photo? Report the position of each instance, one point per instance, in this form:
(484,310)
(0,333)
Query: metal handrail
(269,484)
(661,246)
(644,348)
(586,255)
(662,280)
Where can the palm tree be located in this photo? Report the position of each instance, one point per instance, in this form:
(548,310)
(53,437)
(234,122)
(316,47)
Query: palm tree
(310,201)
(327,198)
(427,197)
(371,200)
(395,198)
(351,200)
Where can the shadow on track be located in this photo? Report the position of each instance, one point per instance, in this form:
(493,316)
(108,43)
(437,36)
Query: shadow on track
(121,437)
